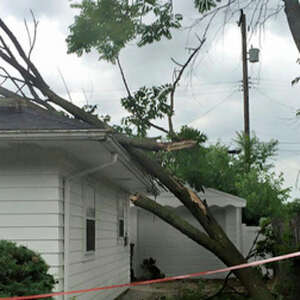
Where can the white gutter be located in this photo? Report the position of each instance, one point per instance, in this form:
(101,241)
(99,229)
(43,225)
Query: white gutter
(67,211)
(53,134)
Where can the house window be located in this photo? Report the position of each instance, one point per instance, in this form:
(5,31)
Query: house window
(90,235)
(121,228)
(90,219)
(121,219)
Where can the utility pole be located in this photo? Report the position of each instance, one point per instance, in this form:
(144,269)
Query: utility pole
(242,24)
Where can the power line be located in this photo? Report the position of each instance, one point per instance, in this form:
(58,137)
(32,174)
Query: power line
(275,101)
(214,107)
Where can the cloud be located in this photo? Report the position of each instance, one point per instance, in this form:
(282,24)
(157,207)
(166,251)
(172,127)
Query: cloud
(21,9)
(209,95)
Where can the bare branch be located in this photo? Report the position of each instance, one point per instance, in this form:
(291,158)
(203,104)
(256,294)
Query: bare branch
(7,93)
(14,81)
(176,63)
(124,78)
(21,52)
(65,84)
(176,81)
(158,127)
(32,40)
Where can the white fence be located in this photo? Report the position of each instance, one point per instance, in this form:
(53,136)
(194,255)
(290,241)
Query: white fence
(249,234)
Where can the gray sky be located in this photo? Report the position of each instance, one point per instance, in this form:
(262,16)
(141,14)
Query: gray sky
(209,96)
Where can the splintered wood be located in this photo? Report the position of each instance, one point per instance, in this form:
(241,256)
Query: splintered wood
(179,145)
(134,198)
(197,200)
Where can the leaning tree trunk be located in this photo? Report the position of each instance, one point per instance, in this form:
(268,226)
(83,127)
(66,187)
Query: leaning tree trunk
(214,239)
(292,11)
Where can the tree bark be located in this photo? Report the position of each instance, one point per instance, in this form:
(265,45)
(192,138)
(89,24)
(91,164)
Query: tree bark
(217,241)
(292,11)
(221,247)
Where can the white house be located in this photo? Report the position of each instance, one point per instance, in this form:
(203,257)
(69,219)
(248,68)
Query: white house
(64,190)
(175,254)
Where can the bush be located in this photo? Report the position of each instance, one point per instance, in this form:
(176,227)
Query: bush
(22,272)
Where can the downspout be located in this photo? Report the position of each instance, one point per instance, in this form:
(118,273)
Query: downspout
(67,211)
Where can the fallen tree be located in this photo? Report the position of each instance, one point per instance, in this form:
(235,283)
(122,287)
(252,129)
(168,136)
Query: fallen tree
(214,238)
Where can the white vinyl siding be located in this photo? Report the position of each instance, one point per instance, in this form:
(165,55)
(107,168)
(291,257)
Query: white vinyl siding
(175,254)
(110,262)
(31,214)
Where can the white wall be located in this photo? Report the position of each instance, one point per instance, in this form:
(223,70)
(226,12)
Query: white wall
(174,253)
(233,223)
(31,214)
(249,235)
(110,263)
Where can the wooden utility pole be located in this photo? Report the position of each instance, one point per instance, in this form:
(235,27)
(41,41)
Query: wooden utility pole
(242,24)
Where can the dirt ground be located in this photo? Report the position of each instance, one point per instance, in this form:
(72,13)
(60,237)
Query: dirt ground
(172,288)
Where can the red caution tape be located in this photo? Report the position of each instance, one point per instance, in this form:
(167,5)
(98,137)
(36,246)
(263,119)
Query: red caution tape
(242,266)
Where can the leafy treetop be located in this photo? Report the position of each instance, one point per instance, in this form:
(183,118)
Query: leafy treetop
(108,25)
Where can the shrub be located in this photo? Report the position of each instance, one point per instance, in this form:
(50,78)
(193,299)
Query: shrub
(151,271)
(22,271)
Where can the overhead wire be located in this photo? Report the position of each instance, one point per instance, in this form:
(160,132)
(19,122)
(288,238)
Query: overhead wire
(214,106)
(274,100)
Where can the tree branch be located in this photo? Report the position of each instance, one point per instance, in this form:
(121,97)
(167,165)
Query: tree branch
(32,41)
(188,198)
(292,11)
(7,93)
(176,81)
(158,127)
(150,145)
(21,51)
(13,80)
(174,220)
(124,78)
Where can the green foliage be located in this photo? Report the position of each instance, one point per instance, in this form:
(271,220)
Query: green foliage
(259,152)
(205,5)
(218,169)
(293,208)
(22,272)
(108,25)
(185,164)
(214,167)
(264,194)
(145,105)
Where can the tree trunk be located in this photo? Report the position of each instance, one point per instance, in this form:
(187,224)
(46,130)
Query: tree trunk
(215,240)
(292,11)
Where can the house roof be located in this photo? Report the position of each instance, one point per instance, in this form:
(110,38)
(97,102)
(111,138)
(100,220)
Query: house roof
(23,123)
(213,198)
(20,114)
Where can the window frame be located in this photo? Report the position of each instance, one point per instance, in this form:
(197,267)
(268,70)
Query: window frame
(89,214)
(121,217)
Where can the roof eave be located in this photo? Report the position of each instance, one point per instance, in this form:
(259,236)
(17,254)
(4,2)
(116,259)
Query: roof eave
(75,135)
(53,134)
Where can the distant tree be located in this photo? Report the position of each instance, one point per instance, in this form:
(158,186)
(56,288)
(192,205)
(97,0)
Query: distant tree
(215,167)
